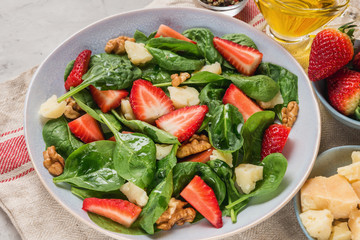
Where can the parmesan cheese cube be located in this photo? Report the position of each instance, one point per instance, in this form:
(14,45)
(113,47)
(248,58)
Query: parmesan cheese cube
(354,224)
(184,96)
(356,187)
(223,156)
(134,194)
(351,172)
(333,193)
(272,103)
(318,223)
(247,175)
(51,108)
(126,109)
(213,68)
(355,156)
(137,53)
(340,231)
(162,150)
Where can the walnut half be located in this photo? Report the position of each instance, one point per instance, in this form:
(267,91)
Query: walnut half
(72,109)
(177,79)
(53,161)
(175,214)
(195,144)
(117,45)
(289,114)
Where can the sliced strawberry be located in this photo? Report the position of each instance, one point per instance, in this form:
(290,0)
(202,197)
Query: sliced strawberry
(86,128)
(166,31)
(80,68)
(344,91)
(203,199)
(274,139)
(118,210)
(202,157)
(148,102)
(236,97)
(356,61)
(330,51)
(183,122)
(107,99)
(245,59)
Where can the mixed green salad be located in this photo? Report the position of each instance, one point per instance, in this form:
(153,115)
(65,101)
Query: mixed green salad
(229,104)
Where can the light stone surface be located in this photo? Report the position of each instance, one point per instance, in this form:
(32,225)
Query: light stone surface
(32,29)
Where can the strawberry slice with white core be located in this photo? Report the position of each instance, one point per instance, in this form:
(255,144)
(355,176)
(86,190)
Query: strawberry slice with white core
(166,31)
(107,99)
(149,102)
(203,199)
(236,97)
(86,128)
(118,210)
(245,59)
(183,122)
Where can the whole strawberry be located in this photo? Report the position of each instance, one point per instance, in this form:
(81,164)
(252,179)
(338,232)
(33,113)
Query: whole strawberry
(80,68)
(356,61)
(274,139)
(331,50)
(344,90)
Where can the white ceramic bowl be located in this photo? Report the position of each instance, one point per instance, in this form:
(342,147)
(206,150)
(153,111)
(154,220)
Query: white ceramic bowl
(301,149)
(326,165)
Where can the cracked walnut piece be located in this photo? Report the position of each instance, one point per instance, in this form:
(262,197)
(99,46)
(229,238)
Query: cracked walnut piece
(175,214)
(53,161)
(72,109)
(195,144)
(117,45)
(289,114)
(177,79)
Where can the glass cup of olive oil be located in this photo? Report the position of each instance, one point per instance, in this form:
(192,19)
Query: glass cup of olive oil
(293,20)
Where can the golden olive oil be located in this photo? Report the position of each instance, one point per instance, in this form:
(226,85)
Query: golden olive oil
(291,19)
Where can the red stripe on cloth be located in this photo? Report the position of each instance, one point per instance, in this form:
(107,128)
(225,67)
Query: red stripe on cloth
(18,176)
(249,12)
(13,154)
(10,132)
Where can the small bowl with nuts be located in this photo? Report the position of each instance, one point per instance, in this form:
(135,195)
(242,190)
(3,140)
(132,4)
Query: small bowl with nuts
(228,7)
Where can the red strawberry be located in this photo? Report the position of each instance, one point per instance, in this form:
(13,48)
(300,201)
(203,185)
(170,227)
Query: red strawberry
(203,199)
(183,122)
(356,61)
(166,31)
(344,90)
(274,139)
(148,102)
(86,128)
(80,68)
(236,97)
(107,99)
(330,51)
(118,210)
(245,59)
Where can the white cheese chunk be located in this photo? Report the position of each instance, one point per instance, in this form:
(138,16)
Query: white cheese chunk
(354,224)
(355,156)
(162,150)
(351,172)
(213,68)
(184,96)
(340,231)
(247,175)
(126,109)
(134,194)
(51,108)
(226,157)
(318,223)
(137,53)
(272,103)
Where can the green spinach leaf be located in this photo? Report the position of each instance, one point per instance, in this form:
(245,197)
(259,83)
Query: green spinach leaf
(156,75)
(107,71)
(274,170)
(175,45)
(140,37)
(156,134)
(224,128)
(174,62)
(258,87)
(91,167)
(86,193)
(241,39)
(212,94)
(56,133)
(252,132)
(134,156)
(184,172)
(68,69)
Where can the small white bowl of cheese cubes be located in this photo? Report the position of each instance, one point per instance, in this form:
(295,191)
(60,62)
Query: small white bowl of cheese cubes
(328,204)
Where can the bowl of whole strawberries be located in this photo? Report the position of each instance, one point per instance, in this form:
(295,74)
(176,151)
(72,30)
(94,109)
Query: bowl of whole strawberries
(334,68)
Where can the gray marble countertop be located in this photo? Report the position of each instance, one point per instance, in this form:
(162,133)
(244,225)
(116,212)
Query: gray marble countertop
(31,29)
